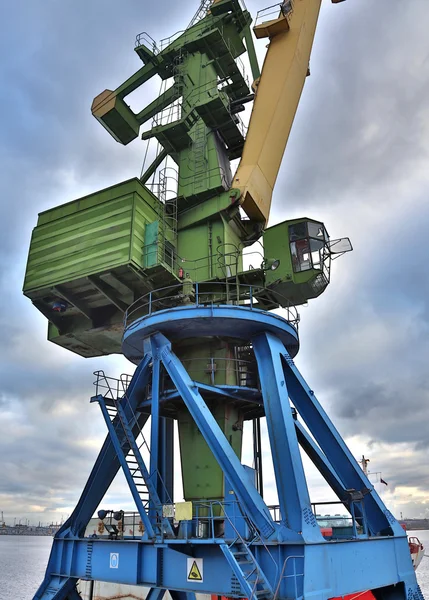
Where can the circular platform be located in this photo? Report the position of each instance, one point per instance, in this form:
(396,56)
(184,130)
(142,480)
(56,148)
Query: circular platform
(196,321)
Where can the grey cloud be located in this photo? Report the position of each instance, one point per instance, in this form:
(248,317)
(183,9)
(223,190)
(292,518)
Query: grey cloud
(361,122)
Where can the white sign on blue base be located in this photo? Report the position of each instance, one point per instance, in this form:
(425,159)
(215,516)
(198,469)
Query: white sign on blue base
(114,560)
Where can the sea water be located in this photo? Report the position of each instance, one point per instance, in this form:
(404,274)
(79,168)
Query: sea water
(23,561)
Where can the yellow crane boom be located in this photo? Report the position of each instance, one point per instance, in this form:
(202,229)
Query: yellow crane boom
(291,31)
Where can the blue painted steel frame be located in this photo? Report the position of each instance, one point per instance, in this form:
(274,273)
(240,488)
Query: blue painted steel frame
(339,456)
(292,490)
(248,496)
(295,558)
(117,443)
(322,570)
(102,475)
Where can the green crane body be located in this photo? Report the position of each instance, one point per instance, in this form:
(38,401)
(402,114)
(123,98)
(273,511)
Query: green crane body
(90,259)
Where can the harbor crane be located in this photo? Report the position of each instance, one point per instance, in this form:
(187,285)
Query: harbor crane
(152,268)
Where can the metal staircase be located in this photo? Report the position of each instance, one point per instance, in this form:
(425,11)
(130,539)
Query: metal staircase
(253,582)
(201,12)
(199,154)
(136,473)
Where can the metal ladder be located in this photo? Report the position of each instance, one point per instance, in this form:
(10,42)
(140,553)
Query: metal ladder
(199,154)
(201,12)
(135,471)
(253,582)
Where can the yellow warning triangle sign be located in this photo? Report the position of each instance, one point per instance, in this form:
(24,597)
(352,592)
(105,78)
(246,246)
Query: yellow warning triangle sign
(194,573)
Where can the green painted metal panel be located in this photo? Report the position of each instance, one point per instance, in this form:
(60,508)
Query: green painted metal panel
(202,476)
(121,122)
(297,287)
(110,193)
(89,236)
(210,249)
(151,244)
(276,246)
(89,342)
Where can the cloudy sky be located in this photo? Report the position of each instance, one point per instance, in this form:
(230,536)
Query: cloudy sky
(357,159)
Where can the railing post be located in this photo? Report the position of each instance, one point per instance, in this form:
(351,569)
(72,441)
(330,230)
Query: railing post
(294,577)
(251,298)
(197,294)
(212,520)
(352,510)
(150,303)
(212,378)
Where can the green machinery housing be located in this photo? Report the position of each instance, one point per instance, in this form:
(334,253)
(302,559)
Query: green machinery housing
(92,258)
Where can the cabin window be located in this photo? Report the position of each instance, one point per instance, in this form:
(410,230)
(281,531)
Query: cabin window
(307,245)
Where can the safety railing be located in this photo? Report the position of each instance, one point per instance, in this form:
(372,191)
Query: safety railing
(220,371)
(166,186)
(205,267)
(165,42)
(211,88)
(241,126)
(210,173)
(208,521)
(238,61)
(208,293)
(130,526)
(350,526)
(144,39)
(116,389)
(326,520)
(210,517)
(275,513)
(168,115)
(275,11)
(291,560)
(111,387)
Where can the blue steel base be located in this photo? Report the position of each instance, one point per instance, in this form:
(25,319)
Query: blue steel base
(318,571)
(198,321)
(257,556)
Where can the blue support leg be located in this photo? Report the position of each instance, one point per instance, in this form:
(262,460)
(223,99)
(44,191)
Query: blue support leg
(161,441)
(182,595)
(215,438)
(107,464)
(154,430)
(291,484)
(58,588)
(320,461)
(155,594)
(166,460)
(102,475)
(118,444)
(333,446)
(155,424)
(74,595)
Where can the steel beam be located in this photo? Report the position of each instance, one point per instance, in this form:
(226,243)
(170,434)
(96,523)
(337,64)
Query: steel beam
(335,449)
(292,490)
(248,496)
(328,569)
(107,464)
(108,292)
(56,587)
(155,594)
(154,430)
(79,304)
(320,461)
(118,444)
